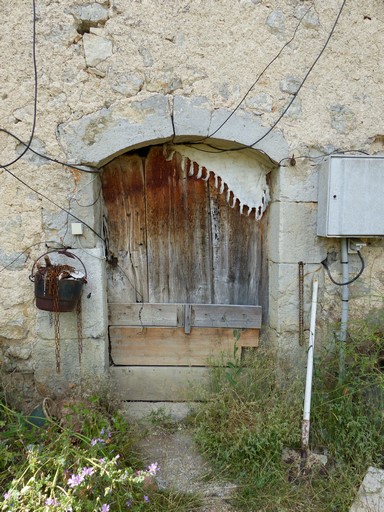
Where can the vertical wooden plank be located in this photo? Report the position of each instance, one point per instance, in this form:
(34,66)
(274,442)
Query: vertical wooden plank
(179,258)
(123,192)
(236,251)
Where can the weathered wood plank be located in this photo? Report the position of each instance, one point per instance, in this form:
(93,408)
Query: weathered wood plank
(189,315)
(172,346)
(214,315)
(167,315)
(236,251)
(179,259)
(124,199)
(161,383)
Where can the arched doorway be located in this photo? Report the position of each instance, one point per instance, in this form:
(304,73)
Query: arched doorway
(186,276)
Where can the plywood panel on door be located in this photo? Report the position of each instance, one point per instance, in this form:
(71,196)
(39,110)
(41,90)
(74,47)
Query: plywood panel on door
(162,346)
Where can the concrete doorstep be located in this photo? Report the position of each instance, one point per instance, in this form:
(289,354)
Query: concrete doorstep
(181,467)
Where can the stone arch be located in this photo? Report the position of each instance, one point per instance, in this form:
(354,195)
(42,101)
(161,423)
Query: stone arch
(97,138)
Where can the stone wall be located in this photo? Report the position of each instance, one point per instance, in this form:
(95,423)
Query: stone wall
(122,74)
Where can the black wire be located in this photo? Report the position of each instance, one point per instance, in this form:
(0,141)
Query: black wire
(30,247)
(250,146)
(46,157)
(90,204)
(53,202)
(305,77)
(322,157)
(260,75)
(219,150)
(27,146)
(325,265)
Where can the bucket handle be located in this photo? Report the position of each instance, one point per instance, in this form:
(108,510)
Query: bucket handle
(64,252)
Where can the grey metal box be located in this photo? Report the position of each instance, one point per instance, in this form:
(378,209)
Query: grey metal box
(351,197)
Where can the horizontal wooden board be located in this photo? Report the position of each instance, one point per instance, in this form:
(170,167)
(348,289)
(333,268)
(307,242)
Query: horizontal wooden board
(162,383)
(173,315)
(145,314)
(214,315)
(171,346)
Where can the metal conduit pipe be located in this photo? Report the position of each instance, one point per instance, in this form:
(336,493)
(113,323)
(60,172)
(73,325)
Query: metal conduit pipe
(344,306)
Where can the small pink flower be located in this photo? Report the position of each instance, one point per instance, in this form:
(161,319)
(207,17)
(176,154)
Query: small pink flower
(75,480)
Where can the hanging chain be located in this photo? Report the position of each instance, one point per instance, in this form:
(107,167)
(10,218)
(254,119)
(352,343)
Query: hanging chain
(79,328)
(56,321)
(301,303)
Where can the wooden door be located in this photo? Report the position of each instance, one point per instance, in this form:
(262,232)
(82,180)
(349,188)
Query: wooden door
(184,274)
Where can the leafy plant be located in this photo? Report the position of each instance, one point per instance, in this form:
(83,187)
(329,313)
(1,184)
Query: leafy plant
(247,421)
(85,464)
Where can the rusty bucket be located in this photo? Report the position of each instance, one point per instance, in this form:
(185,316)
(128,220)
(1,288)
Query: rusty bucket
(54,292)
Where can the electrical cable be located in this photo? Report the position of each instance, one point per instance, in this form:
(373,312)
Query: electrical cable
(82,188)
(305,77)
(86,251)
(27,146)
(76,167)
(51,201)
(260,75)
(325,265)
(285,110)
(323,157)
(35,95)
(30,247)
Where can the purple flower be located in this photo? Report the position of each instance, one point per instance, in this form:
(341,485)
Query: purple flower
(146,499)
(7,495)
(102,431)
(104,508)
(153,469)
(97,440)
(102,461)
(51,502)
(87,472)
(75,480)
(129,503)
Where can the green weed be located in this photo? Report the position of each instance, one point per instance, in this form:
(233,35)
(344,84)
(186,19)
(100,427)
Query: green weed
(249,418)
(87,463)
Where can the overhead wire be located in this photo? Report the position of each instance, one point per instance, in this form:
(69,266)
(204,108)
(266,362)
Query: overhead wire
(320,158)
(260,75)
(52,202)
(285,110)
(76,167)
(34,117)
(304,79)
(30,247)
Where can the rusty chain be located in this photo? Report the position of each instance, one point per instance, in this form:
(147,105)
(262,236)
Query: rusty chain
(79,317)
(56,321)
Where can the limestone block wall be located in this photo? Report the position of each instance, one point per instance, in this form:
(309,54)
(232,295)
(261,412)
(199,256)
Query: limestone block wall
(116,75)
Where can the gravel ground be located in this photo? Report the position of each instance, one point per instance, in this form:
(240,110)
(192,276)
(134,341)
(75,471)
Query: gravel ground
(183,469)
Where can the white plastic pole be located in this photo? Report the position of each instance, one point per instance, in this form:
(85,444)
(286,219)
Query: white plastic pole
(308,381)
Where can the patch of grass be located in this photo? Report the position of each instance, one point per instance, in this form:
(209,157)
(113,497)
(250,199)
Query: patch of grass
(250,416)
(86,463)
(163,420)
